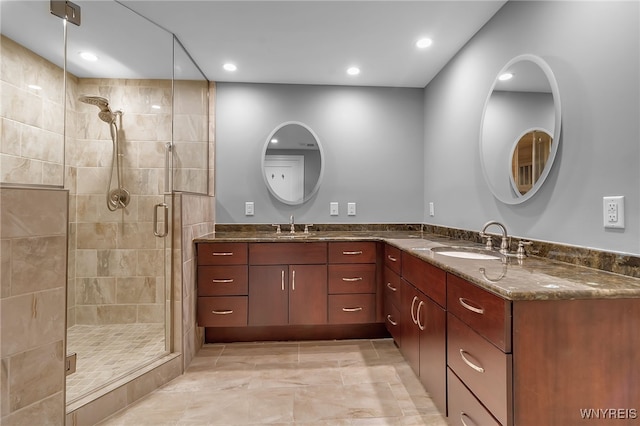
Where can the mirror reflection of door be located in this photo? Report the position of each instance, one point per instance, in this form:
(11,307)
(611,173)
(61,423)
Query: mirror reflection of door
(285,174)
(529,159)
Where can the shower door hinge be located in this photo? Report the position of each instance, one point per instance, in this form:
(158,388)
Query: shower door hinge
(66,10)
(70,364)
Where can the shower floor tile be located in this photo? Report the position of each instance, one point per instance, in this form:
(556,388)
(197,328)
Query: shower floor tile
(106,352)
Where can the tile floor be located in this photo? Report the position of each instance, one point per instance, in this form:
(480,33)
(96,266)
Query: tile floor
(351,382)
(106,352)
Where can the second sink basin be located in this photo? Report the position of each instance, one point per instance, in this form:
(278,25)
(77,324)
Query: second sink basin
(465,253)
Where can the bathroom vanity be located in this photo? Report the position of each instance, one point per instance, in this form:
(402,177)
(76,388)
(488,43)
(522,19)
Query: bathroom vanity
(496,341)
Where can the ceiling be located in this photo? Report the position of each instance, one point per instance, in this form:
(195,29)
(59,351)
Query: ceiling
(295,42)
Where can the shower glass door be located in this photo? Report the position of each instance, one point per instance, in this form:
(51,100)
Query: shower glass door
(119,125)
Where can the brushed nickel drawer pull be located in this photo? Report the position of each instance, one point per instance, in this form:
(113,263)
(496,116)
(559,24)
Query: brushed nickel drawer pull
(392,322)
(465,303)
(352,252)
(392,288)
(391,258)
(352,279)
(413,303)
(462,416)
(420,305)
(352,309)
(282,280)
(228,312)
(226,280)
(469,363)
(225,253)
(293,281)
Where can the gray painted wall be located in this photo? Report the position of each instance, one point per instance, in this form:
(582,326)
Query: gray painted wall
(594,50)
(373,144)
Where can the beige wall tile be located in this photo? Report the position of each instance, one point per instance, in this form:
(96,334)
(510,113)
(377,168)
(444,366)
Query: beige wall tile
(137,290)
(37,263)
(96,291)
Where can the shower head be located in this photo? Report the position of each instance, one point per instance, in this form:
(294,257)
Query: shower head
(105,113)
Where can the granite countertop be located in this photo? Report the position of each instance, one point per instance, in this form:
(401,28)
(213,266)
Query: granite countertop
(533,278)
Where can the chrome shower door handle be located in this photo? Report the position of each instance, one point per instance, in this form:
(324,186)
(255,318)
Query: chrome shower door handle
(165,231)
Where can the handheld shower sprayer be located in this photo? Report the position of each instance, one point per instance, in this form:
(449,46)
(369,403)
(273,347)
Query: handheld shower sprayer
(117,198)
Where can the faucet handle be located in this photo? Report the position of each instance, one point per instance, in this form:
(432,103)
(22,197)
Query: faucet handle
(278,230)
(521,253)
(306,228)
(489,243)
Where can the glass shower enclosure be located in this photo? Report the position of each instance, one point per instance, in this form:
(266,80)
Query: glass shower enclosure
(121,133)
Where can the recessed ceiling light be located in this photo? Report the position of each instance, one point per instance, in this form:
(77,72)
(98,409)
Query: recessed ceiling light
(506,76)
(274,140)
(229,67)
(424,43)
(34,87)
(88,56)
(353,71)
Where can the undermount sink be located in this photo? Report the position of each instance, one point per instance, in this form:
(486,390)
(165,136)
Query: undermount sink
(464,252)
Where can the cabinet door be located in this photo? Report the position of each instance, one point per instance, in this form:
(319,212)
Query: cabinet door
(269,295)
(410,333)
(432,323)
(307,294)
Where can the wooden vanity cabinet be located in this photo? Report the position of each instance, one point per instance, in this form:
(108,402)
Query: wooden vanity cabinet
(391,290)
(352,282)
(423,325)
(287,284)
(222,285)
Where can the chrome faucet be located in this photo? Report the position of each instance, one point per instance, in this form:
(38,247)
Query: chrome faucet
(292,223)
(504,245)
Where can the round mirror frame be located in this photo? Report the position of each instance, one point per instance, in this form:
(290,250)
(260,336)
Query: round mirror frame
(546,69)
(306,197)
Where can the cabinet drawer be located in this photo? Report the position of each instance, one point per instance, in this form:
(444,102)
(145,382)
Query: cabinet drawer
(356,278)
(393,258)
(227,280)
(352,252)
(427,278)
(287,253)
(482,367)
(391,287)
(352,308)
(392,321)
(486,313)
(464,408)
(222,311)
(222,253)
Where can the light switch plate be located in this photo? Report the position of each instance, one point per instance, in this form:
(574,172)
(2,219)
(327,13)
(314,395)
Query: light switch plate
(248,208)
(333,209)
(351,209)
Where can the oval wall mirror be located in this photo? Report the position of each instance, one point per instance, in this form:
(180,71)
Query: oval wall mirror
(520,129)
(292,163)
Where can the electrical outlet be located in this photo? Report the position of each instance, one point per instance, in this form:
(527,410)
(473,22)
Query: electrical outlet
(613,211)
(351,209)
(248,208)
(432,210)
(333,209)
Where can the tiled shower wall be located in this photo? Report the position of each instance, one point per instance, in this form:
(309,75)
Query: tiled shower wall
(33,238)
(119,275)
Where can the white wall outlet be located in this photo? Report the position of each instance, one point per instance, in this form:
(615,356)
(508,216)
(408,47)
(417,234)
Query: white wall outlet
(613,211)
(432,209)
(333,209)
(351,209)
(248,208)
